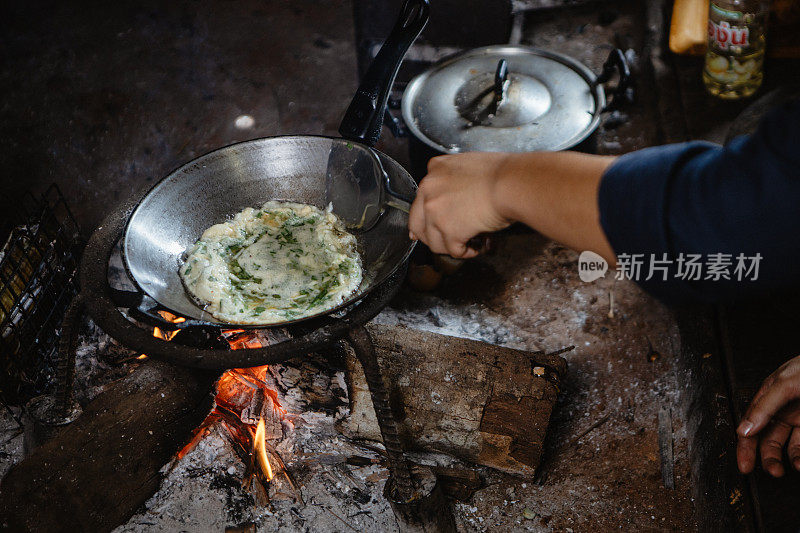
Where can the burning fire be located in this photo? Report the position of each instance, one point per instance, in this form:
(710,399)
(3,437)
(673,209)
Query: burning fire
(244,405)
(239,339)
(260,449)
(166,335)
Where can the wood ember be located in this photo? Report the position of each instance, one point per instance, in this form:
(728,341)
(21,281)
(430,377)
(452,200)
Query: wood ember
(479,402)
(314,488)
(247,398)
(315,396)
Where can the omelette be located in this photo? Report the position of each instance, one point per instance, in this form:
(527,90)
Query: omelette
(281,262)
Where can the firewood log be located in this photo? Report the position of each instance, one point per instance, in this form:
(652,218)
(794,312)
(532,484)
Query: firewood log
(96,472)
(479,402)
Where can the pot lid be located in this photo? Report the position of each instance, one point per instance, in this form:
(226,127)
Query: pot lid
(503,98)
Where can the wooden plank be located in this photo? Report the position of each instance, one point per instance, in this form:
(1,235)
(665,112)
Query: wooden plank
(482,403)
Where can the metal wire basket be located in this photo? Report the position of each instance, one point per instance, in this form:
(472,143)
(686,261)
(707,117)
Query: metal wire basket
(38,262)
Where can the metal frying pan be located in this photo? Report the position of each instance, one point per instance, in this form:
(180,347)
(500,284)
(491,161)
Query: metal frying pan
(347,173)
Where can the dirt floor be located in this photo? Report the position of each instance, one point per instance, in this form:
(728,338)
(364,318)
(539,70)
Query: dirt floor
(624,369)
(114,97)
(601,470)
(106,100)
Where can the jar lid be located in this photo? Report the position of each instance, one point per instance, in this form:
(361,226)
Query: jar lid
(545,101)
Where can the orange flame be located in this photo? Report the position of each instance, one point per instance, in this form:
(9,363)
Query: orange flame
(200,432)
(235,389)
(169,317)
(260,450)
(239,339)
(166,335)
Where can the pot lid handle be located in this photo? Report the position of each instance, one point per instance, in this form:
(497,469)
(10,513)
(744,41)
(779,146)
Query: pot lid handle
(364,117)
(500,79)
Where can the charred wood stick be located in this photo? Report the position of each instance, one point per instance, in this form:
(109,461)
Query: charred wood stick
(96,472)
(246,528)
(665,447)
(342,520)
(596,424)
(457,483)
(285,471)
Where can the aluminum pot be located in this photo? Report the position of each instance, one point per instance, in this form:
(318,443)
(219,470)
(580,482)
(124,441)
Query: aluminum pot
(508,98)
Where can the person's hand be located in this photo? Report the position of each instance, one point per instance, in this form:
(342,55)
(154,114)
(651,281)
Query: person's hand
(772,421)
(456,201)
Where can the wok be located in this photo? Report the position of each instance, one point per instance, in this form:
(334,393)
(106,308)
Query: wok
(347,173)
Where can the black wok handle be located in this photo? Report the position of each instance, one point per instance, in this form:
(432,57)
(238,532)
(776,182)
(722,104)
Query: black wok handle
(364,118)
(616,62)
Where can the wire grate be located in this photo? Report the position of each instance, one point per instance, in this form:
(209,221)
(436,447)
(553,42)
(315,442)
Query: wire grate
(38,263)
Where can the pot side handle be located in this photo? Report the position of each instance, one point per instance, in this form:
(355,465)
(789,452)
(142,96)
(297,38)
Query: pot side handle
(364,117)
(623,92)
(396,124)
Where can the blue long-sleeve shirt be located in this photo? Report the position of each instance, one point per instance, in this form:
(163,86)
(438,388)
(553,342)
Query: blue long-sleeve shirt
(737,207)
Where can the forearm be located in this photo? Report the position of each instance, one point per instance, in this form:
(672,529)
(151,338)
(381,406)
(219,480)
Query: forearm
(556,194)
(672,204)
